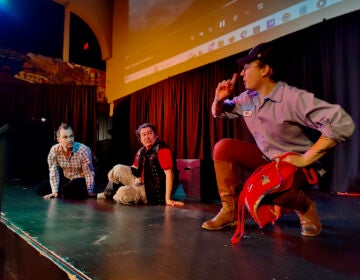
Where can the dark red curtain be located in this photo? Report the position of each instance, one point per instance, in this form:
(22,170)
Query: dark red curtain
(323,59)
(34,112)
(180,108)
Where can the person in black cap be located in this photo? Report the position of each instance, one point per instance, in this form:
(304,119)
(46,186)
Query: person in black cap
(275,114)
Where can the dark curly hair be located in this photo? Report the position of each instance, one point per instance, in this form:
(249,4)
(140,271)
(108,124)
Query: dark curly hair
(144,125)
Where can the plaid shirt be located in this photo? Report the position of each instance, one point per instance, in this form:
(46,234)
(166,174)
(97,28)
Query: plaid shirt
(79,165)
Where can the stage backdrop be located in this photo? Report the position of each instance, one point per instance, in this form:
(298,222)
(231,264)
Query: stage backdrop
(34,112)
(323,59)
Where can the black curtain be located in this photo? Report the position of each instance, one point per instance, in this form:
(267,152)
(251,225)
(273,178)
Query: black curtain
(323,59)
(34,112)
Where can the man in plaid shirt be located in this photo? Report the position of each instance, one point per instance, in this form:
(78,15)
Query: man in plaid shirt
(71,171)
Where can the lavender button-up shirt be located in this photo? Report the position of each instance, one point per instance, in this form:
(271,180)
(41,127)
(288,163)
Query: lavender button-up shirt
(277,122)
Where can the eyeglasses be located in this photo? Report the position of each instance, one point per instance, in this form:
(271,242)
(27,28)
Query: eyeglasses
(248,66)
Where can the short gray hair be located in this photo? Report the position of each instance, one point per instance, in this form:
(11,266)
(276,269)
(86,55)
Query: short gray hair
(62,126)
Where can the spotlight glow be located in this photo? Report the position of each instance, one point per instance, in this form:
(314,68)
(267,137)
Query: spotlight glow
(4,4)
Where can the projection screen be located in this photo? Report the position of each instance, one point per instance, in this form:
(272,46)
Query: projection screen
(167,37)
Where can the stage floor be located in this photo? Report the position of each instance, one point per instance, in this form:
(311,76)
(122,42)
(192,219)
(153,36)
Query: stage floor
(102,240)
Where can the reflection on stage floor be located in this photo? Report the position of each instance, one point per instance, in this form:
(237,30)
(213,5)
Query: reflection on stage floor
(98,239)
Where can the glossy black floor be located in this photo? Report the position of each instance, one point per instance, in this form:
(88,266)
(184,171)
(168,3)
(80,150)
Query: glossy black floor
(103,240)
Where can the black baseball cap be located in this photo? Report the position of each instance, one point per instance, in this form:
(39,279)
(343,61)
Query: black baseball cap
(263,52)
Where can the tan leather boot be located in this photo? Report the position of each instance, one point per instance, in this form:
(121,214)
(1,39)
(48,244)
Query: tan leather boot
(310,223)
(227,180)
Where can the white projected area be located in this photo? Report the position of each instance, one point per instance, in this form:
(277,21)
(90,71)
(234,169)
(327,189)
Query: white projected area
(167,37)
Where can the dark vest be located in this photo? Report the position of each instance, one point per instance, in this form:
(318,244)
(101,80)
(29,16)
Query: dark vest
(154,175)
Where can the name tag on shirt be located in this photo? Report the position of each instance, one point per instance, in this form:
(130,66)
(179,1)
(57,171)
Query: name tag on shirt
(247,113)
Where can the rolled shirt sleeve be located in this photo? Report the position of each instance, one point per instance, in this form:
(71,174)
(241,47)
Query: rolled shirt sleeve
(330,119)
(336,124)
(277,122)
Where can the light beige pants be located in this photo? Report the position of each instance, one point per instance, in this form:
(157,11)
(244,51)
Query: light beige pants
(133,191)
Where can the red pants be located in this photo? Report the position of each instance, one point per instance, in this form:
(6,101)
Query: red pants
(248,156)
